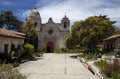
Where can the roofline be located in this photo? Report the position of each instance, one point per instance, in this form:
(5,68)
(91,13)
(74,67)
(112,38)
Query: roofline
(20,37)
(111,37)
(8,33)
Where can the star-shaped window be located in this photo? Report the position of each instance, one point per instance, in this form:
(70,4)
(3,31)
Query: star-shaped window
(50,32)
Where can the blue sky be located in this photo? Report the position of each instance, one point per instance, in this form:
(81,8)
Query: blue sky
(74,9)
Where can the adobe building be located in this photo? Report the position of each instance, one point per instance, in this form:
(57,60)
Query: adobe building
(111,43)
(9,41)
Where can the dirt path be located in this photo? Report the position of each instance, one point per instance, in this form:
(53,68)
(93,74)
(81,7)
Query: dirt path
(55,66)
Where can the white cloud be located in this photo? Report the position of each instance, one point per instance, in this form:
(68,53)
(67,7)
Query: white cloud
(6,3)
(76,10)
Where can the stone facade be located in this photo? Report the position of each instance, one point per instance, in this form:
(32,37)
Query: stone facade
(50,35)
(10,40)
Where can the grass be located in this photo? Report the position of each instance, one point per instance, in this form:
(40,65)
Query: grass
(7,72)
(38,54)
(26,57)
(101,64)
(110,53)
(88,57)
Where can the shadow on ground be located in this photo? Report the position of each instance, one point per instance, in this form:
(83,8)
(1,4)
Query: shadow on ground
(74,56)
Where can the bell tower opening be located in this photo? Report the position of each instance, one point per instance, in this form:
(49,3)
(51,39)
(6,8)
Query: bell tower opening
(50,47)
(65,22)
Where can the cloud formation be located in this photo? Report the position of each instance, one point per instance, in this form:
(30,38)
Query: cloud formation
(77,9)
(6,3)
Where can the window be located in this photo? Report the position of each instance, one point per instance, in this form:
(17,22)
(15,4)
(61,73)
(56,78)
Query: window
(65,24)
(6,47)
(35,24)
(13,47)
(111,46)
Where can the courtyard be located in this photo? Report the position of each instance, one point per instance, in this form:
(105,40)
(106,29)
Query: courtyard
(55,66)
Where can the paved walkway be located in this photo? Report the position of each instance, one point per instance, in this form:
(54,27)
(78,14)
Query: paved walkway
(55,66)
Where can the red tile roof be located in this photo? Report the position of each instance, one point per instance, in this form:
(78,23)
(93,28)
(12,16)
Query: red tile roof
(112,37)
(8,33)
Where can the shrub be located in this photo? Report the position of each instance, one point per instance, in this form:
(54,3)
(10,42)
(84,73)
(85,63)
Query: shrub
(112,71)
(42,51)
(8,58)
(28,51)
(109,53)
(29,48)
(6,72)
(74,50)
(109,70)
(101,64)
(61,50)
(89,57)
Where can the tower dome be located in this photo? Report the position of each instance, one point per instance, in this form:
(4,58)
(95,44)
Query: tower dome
(34,14)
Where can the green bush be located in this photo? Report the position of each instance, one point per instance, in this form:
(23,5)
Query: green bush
(75,50)
(28,52)
(109,53)
(7,72)
(7,58)
(29,48)
(82,55)
(89,57)
(42,51)
(101,64)
(61,50)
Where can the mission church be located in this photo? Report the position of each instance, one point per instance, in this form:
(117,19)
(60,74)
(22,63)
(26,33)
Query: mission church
(50,35)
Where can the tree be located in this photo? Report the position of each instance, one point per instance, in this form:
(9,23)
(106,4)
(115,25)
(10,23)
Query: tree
(1,20)
(90,32)
(9,20)
(68,41)
(117,30)
(31,34)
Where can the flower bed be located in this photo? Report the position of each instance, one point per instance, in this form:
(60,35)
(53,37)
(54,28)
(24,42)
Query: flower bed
(109,70)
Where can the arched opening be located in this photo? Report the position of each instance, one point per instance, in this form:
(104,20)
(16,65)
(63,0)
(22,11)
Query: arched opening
(50,47)
(65,24)
(35,24)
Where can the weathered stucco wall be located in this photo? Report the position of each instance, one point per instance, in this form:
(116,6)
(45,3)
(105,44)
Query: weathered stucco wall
(8,41)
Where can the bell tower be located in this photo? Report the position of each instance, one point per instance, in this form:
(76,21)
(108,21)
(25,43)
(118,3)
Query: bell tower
(65,22)
(35,18)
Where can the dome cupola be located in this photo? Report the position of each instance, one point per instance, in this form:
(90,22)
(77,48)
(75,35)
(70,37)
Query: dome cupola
(34,14)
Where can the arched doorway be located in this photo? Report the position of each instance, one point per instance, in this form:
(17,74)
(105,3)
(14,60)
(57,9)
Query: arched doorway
(50,47)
